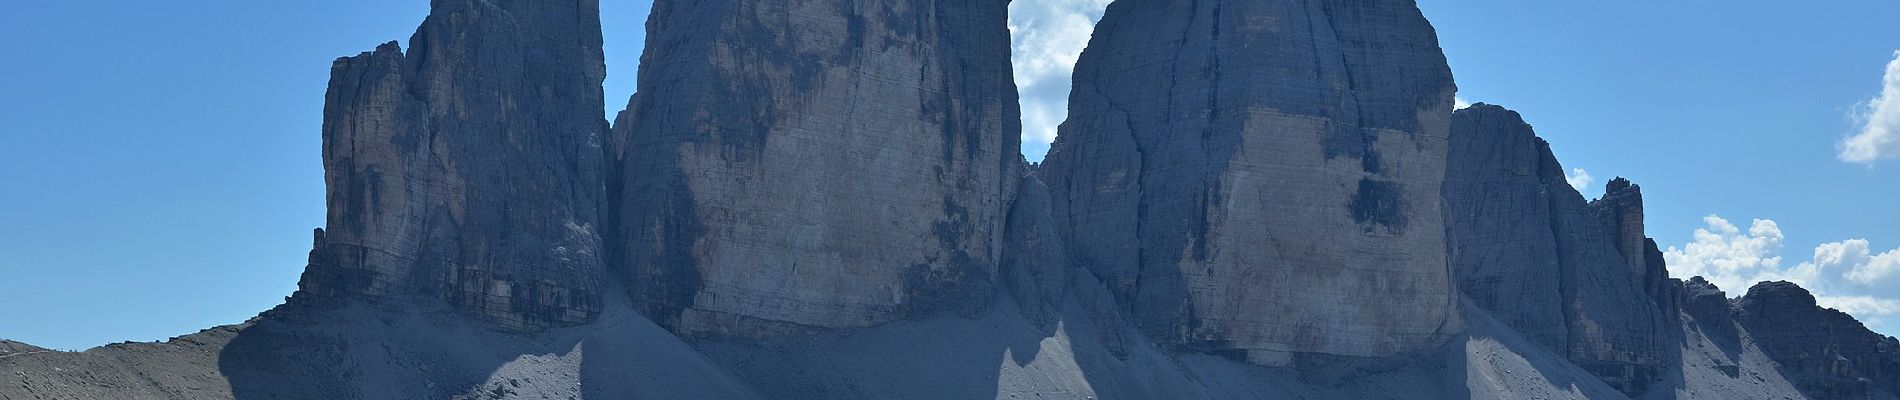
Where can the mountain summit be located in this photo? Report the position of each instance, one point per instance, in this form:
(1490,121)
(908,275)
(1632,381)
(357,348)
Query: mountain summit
(823,199)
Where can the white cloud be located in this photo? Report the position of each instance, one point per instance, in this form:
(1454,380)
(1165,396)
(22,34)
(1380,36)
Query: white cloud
(1883,267)
(1459,103)
(1845,275)
(1578,178)
(1861,306)
(1046,38)
(1879,135)
(1857,257)
(1732,259)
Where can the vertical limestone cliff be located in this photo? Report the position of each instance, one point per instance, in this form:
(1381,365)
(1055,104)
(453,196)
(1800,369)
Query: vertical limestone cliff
(1526,247)
(1261,179)
(467,171)
(1620,211)
(798,165)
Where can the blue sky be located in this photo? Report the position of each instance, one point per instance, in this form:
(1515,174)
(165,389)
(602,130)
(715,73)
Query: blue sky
(161,165)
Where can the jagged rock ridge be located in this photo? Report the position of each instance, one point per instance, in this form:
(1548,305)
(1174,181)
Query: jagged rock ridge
(1242,173)
(1526,246)
(1516,230)
(1826,352)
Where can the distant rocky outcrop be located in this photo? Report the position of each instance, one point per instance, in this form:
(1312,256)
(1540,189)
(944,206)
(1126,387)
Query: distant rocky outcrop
(1526,246)
(1242,174)
(1825,352)
(810,165)
(1710,308)
(11,348)
(468,171)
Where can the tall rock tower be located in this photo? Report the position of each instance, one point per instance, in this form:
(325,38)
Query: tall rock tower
(1262,178)
(805,164)
(1621,213)
(468,171)
(1527,248)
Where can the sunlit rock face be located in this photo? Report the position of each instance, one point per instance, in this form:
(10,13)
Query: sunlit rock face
(469,169)
(1262,179)
(790,166)
(1526,246)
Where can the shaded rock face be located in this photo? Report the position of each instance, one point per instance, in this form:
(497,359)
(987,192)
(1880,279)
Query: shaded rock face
(799,165)
(1710,308)
(1620,211)
(1262,178)
(469,169)
(1526,247)
(1825,352)
(1035,265)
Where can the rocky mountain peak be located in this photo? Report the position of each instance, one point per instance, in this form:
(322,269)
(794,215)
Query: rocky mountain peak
(1621,212)
(1770,295)
(824,199)
(1708,306)
(1240,173)
(1622,187)
(467,172)
(812,165)
(1525,246)
(1828,353)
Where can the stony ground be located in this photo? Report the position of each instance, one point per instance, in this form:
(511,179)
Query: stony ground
(362,353)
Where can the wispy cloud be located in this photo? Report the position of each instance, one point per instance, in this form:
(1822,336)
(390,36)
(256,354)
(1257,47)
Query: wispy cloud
(1879,135)
(1860,305)
(1459,103)
(1846,275)
(1579,179)
(1047,36)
